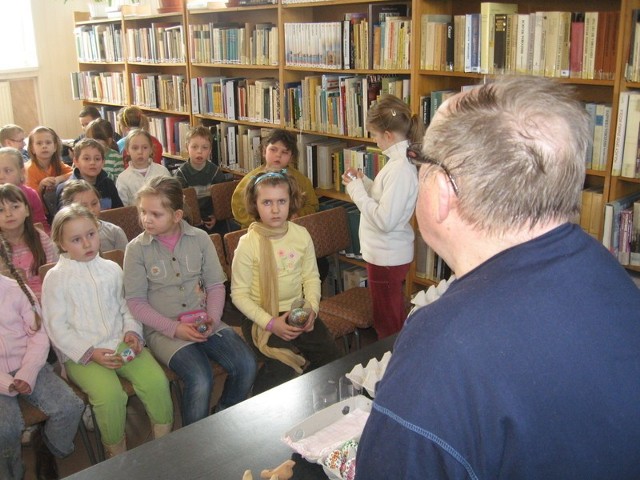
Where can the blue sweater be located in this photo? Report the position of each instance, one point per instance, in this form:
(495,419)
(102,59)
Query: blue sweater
(527,367)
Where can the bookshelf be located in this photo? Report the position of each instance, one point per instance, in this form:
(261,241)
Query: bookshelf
(254,51)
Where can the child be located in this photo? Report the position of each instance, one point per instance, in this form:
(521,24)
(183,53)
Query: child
(13,136)
(12,171)
(30,247)
(88,321)
(102,131)
(25,373)
(275,264)
(45,170)
(131,118)
(88,158)
(139,144)
(386,206)
(172,274)
(280,151)
(80,191)
(199,172)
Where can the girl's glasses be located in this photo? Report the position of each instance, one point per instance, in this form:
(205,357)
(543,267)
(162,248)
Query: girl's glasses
(414,153)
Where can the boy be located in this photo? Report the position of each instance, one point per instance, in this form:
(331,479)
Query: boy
(13,136)
(88,160)
(199,172)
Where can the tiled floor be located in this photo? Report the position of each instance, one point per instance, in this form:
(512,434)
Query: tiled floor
(138,430)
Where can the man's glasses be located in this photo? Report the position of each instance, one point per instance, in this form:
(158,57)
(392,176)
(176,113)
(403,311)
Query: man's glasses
(414,153)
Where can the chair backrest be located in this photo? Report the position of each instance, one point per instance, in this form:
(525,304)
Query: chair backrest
(126,218)
(116,255)
(231,240)
(329,230)
(42,271)
(191,202)
(216,239)
(221,194)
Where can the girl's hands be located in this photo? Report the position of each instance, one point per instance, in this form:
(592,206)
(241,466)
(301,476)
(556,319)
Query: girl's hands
(350,175)
(285,331)
(133,341)
(21,387)
(48,182)
(310,322)
(107,358)
(189,332)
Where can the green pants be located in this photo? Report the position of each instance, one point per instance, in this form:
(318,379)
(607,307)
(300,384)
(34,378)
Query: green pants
(108,399)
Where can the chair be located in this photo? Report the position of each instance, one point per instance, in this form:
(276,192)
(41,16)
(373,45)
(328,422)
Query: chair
(221,194)
(191,202)
(115,256)
(329,231)
(231,240)
(217,243)
(126,218)
(34,416)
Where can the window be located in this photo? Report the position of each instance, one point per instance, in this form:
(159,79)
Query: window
(18,37)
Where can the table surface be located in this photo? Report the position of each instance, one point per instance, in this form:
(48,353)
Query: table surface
(244,437)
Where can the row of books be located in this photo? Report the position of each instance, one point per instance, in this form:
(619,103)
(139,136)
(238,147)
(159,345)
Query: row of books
(429,265)
(160,43)
(600,128)
(98,86)
(99,43)
(499,40)
(246,44)
(338,104)
(632,70)
(237,147)
(591,211)
(621,232)
(163,91)
(171,131)
(626,151)
(237,98)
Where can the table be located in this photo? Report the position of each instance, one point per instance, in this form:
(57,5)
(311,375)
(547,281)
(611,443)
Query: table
(243,437)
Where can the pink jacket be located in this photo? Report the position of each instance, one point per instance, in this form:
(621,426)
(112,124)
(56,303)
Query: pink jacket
(21,349)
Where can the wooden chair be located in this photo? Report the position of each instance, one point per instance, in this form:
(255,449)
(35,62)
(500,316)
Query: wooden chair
(329,231)
(191,202)
(216,239)
(231,240)
(221,194)
(126,218)
(115,256)
(34,416)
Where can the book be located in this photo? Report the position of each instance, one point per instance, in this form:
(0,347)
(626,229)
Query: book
(621,125)
(634,255)
(577,43)
(472,43)
(613,209)
(488,10)
(500,44)
(595,219)
(522,45)
(629,155)
(585,209)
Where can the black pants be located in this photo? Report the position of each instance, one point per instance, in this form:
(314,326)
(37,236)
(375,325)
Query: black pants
(317,346)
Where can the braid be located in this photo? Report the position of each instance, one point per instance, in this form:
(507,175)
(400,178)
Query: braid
(6,258)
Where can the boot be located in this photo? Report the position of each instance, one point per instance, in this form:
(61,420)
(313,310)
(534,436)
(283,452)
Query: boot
(46,466)
(115,449)
(161,429)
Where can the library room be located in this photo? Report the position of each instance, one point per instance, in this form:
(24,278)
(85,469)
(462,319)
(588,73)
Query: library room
(320,239)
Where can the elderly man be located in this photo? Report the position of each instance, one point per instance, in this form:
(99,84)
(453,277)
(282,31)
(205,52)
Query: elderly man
(529,365)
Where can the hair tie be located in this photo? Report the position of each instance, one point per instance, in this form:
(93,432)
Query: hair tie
(393,113)
(281,174)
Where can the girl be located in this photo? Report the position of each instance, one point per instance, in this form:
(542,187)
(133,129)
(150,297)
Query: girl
(45,170)
(139,144)
(102,131)
(172,274)
(30,247)
(280,151)
(386,206)
(82,192)
(131,118)
(12,171)
(88,321)
(25,373)
(275,264)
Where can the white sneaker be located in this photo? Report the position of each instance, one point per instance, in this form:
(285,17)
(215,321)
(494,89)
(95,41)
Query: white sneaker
(27,433)
(87,419)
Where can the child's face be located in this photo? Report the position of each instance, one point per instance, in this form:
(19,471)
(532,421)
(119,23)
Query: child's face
(16,141)
(139,150)
(12,216)
(9,172)
(80,239)
(89,200)
(273,204)
(84,121)
(157,219)
(90,162)
(44,146)
(199,149)
(277,156)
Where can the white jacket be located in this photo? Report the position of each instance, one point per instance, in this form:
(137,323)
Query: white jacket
(386,206)
(83,306)
(130,181)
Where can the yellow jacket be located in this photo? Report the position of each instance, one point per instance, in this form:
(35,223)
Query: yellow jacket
(239,209)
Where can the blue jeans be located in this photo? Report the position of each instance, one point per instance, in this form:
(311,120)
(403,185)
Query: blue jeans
(191,363)
(64,409)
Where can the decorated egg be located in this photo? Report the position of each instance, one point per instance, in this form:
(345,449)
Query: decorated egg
(298,317)
(202,327)
(127,355)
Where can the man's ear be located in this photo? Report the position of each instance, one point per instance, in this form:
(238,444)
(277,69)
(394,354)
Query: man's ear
(446,198)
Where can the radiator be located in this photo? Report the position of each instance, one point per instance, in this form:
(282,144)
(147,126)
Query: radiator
(6,105)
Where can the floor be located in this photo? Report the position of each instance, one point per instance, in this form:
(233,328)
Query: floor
(138,429)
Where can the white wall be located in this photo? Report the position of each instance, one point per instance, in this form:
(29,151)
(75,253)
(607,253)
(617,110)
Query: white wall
(53,25)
